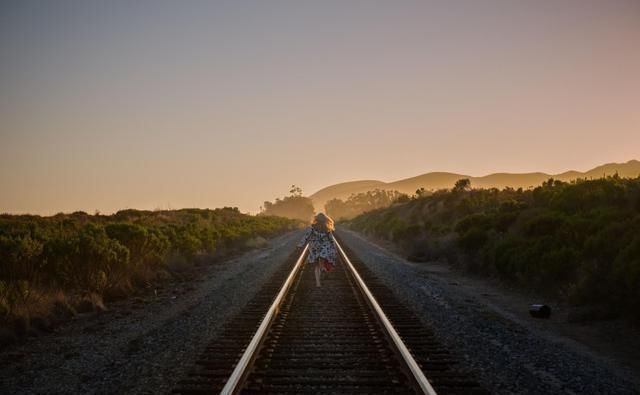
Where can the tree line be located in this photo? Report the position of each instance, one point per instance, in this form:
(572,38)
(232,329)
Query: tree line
(297,206)
(109,255)
(360,203)
(578,241)
(294,206)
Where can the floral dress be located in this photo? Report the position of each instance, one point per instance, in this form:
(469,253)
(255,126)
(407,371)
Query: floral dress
(321,245)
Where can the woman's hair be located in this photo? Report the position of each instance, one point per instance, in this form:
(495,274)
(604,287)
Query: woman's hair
(323,222)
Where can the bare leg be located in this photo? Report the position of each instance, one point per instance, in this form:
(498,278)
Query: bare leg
(318,272)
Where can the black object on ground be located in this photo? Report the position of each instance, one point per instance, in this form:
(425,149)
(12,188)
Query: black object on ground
(540,311)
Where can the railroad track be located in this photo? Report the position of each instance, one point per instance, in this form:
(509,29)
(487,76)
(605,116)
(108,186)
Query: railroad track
(349,336)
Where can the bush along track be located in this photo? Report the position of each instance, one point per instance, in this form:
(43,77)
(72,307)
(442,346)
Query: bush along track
(578,241)
(53,267)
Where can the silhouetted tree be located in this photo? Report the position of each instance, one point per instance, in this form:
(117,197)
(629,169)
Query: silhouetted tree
(295,190)
(463,184)
(294,206)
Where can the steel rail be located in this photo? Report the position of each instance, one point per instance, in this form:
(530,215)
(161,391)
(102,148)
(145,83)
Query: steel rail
(235,379)
(411,363)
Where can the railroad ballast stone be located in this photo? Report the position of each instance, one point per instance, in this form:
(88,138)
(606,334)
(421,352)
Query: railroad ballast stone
(504,356)
(145,347)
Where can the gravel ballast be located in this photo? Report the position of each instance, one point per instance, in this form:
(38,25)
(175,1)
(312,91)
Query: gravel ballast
(145,345)
(505,356)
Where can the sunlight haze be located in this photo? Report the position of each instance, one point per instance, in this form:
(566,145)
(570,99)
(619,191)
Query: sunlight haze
(158,104)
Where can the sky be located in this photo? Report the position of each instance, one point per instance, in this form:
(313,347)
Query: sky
(106,105)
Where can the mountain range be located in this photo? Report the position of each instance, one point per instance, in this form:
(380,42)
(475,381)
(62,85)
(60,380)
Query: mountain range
(440,180)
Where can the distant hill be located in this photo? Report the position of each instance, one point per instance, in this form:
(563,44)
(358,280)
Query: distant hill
(344,190)
(439,180)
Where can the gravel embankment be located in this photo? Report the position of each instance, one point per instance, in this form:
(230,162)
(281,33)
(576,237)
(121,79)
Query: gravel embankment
(505,356)
(142,346)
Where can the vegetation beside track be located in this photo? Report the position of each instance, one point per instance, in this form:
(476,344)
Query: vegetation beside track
(577,241)
(54,266)
(360,203)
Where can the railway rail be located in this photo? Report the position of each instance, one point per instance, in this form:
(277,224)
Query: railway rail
(349,336)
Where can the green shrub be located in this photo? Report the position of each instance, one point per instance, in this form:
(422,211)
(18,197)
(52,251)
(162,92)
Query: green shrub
(88,262)
(577,241)
(472,240)
(81,253)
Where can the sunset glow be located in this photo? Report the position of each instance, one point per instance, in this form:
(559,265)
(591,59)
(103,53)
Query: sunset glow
(112,105)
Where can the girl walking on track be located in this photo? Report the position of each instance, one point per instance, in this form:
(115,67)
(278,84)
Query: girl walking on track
(322,248)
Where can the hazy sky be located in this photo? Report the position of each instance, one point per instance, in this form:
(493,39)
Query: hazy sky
(147,104)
